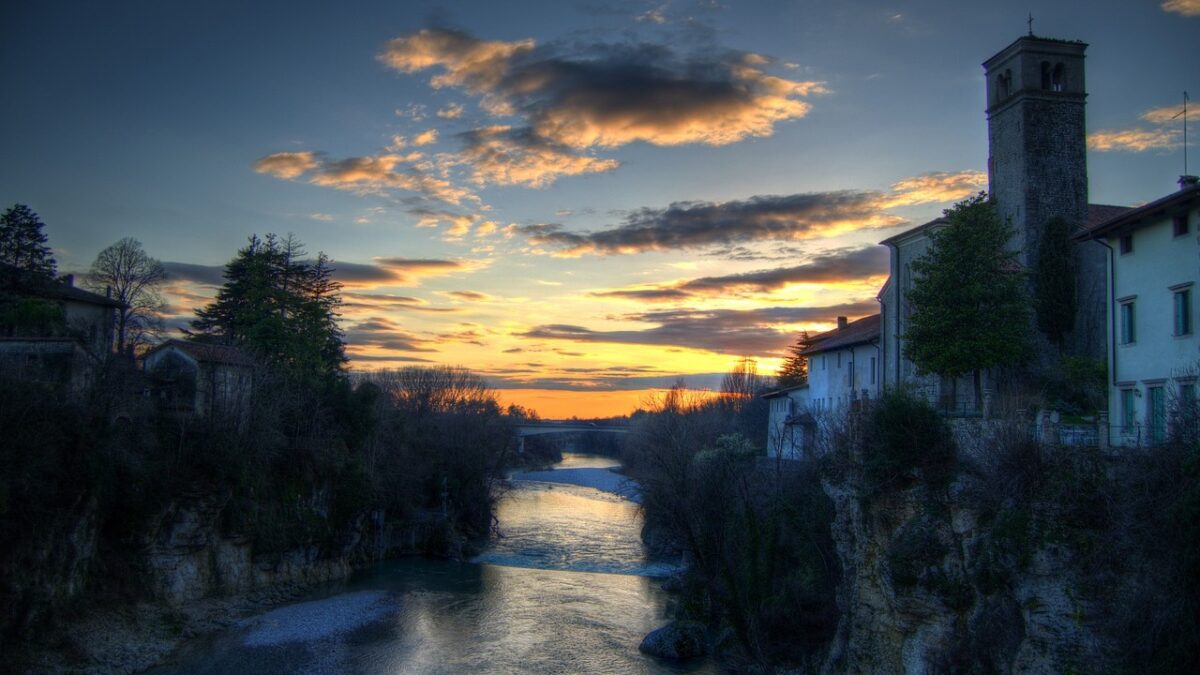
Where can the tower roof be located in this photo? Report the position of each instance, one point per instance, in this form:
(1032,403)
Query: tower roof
(1034,42)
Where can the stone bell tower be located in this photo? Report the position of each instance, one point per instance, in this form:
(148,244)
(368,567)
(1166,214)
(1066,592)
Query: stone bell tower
(1037,162)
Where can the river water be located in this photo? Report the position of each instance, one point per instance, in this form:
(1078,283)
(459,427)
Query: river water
(565,587)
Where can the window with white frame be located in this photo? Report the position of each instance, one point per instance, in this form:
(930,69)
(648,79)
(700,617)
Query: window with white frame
(1128,409)
(1128,323)
(1182,301)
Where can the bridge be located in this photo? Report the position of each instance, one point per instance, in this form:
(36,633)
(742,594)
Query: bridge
(552,427)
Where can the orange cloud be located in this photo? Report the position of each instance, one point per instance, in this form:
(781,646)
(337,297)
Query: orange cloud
(1133,140)
(369,174)
(503,156)
(451,112)
(1164,115)
(476,65)
(426,137)
(608,96)
(1184,7)
(287,165)
(937,187)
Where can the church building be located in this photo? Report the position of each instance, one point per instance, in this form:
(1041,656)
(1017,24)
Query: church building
(1037,170)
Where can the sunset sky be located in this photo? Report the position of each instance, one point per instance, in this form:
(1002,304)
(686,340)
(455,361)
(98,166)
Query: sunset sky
(578,200)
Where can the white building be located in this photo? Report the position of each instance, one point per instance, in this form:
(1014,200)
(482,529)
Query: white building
(1154,353)
(790,426)
(843,364)
(843,369)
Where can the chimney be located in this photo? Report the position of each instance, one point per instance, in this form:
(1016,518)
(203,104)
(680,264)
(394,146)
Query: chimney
(1186,182)
(69,280)
(841,322)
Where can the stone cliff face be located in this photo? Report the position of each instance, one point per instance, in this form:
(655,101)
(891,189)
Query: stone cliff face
(929,587)
(188,558)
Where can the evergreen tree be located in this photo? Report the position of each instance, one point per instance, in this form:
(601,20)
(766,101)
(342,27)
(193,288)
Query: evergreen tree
(794,370)
(1054,282)
(970,304)
(23,244)
(278,305)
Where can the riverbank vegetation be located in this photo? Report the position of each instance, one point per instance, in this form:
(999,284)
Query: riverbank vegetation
(304,457)
(975,535)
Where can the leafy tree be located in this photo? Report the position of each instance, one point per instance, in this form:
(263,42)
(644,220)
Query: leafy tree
(794,371)
(970,304)
(23,244)
(134,278)
(1054,281)
(278,304)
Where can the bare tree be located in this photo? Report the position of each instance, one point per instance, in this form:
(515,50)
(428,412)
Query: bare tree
(129,275)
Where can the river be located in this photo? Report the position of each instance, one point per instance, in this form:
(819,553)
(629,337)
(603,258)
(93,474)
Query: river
(565,587)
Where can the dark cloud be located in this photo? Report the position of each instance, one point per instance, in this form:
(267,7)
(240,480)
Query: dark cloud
(380,333)
(646,294)
(727,331)
(209,275)
(603,95)
(690,225)
(471,296)
(835,266)
(383,301)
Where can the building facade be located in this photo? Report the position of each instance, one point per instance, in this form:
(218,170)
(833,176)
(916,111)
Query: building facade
(193,378)
(1037,171)
(1154,354)
(843,371)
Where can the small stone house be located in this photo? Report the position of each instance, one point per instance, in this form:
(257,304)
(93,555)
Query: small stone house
(1154,350)
(198,379)
(791,428)
(53,331)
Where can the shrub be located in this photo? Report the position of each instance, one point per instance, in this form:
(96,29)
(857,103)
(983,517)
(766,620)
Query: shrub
(904,436)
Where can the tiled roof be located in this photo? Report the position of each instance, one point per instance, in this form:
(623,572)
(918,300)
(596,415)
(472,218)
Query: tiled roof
(786,390)
(58,289)
(1131,216)
(858,332)
(79,295)
(210,353)
(1099,213)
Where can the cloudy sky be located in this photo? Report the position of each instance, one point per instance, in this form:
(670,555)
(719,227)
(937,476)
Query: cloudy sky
(580,200)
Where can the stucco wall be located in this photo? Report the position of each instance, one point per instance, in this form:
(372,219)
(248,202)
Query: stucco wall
(1159,263)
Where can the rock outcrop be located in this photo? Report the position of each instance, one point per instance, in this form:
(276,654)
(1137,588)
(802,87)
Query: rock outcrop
(678,640)
(927,587)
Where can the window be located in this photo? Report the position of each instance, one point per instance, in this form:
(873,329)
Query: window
(1126,244)
(1183,312)
(850,378)
(1128,325)
(1181,224)
(1156,414)
(823,362)
(1058,79)
(1045,74)
(872,370)
(1187,399)
(1128,411)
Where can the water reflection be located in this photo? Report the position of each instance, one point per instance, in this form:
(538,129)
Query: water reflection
(535,602)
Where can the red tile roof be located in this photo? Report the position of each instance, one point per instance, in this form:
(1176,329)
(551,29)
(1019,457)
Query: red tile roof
(858,332)
(1134,216)
(210,353)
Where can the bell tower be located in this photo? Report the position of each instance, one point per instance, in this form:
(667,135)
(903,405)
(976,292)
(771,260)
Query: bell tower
(1037,165)
(1037,146)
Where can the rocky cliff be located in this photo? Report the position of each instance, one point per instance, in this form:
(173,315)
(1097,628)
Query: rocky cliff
(938,578)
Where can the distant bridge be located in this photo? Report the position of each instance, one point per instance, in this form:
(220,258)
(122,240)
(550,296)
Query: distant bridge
(552,427)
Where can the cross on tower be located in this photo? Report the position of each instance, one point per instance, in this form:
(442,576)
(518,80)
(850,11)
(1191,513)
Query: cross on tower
(1031,24)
